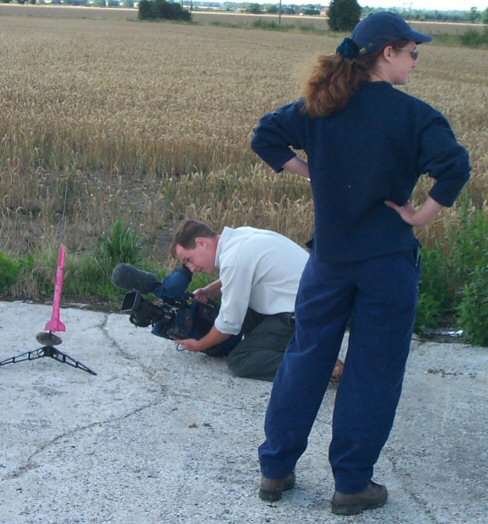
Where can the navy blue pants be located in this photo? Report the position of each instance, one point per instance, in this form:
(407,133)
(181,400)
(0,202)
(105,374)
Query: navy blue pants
(379,296)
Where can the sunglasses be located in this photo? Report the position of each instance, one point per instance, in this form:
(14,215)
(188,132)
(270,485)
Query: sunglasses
(414,54)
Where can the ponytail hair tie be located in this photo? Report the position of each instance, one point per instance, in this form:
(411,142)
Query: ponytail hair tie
(348,49)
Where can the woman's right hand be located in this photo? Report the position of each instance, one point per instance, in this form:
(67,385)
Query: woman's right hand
(297,166)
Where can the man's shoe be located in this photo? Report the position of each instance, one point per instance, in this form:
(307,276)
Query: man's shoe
(129,277)
(272,489)
(374,496)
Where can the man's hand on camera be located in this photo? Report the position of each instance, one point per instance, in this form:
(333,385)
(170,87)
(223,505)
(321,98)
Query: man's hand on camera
(201,295)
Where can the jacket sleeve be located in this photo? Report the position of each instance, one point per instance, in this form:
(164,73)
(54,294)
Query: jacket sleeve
(444,159)
(278,134)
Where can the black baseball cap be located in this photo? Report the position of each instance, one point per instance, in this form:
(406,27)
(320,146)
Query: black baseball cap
(378,30)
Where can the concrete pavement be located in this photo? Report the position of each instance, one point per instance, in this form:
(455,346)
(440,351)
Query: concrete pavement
(161,436)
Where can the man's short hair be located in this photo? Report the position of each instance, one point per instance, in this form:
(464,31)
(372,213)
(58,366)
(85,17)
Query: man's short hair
(187,232)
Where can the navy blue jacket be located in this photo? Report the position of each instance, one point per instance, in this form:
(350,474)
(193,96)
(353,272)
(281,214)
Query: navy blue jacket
(373,150)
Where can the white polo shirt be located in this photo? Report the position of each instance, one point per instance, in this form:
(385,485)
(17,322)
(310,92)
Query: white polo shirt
(259,269)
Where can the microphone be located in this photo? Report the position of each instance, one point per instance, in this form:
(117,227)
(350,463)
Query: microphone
(129,277)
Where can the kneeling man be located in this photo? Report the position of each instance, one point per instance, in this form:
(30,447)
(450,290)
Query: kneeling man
(259,273)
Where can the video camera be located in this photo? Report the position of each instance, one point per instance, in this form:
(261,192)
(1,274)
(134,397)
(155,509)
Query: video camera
(172,318)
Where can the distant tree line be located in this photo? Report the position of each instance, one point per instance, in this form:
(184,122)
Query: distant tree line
(291,9)
(94,3)
(436,15)
(472,15)
(469,15)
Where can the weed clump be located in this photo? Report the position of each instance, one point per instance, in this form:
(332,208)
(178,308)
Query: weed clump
(454,282)
(9,269)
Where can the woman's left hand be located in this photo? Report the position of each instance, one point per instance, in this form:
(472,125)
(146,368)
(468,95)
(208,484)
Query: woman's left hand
(407,212)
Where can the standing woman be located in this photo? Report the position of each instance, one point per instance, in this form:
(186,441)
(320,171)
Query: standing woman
(367,144)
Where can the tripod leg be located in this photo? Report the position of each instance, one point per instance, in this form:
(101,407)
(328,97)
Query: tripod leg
(48,351)
(29,355)
(52,352)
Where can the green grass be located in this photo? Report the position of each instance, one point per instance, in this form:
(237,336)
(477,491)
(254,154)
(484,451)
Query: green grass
(9,269)
(271,25)
(454,282)
(472,38)
(453,287)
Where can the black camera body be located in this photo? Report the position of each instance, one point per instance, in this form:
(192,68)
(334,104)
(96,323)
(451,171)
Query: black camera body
(172,318)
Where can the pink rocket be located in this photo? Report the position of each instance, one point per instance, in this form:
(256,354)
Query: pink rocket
(55,323)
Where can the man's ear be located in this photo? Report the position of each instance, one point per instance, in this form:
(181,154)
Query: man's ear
(201,241)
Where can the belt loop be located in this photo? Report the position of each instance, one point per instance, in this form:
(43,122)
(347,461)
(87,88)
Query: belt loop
(287,318)
(416,254)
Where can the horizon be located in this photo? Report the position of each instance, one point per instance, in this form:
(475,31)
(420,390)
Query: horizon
(428,5)
(447,5)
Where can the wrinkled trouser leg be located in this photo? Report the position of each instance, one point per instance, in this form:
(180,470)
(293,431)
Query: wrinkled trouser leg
(321,315)
(260,353)
(381,295)
(379,343)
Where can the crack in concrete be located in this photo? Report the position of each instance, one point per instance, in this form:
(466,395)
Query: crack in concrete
(29,462)
(147,370)
(406,480)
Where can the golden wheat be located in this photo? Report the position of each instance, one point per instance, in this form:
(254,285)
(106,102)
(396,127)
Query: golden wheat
(151,122)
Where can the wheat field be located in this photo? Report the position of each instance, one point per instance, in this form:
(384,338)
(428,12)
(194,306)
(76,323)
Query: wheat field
(151,122)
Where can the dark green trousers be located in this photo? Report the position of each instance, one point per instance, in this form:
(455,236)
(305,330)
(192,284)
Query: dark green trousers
(261,351)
